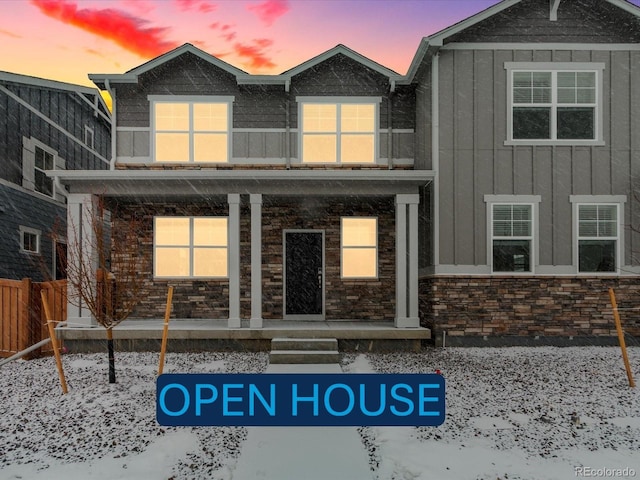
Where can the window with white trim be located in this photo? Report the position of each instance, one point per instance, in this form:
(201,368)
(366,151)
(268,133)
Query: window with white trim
(191,131)
(359,247)
(190,247)
(598,237)
(512,237)
(29,240)
(89,136)
(555,102)
(338,132)
(44,160)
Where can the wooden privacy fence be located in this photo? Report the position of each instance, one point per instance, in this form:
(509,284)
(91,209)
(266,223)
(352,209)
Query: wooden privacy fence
(22,319)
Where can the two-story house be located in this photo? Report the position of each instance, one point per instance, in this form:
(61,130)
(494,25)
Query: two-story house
(529,113)
(44,125)
(266,197)
(488,193)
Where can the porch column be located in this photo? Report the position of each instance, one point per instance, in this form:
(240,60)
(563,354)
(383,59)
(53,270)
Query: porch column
(81,255)
(256,260)
(407,276)
(234,260)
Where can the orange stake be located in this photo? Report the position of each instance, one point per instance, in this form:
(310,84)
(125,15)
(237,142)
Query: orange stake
(54,340)
(623,346)
(165,331)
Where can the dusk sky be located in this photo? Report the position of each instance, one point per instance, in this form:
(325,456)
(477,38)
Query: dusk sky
(68,39)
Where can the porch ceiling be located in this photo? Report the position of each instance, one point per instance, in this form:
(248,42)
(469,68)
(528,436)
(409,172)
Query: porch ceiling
(181,183)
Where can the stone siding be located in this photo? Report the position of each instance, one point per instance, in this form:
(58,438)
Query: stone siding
(527,306)
(372,300)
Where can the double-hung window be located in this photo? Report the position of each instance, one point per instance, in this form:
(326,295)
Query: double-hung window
(512,237)
(338,130)
(512,227)
(191,130)
(359,242)
(44,160)
(190,247)
(555,103)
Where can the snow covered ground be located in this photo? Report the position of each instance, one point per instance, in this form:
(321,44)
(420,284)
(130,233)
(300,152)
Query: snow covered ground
(512,413)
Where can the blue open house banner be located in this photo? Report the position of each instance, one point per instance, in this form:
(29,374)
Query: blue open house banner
(300,400)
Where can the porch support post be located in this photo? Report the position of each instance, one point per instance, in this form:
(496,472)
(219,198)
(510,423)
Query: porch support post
(414,317)
(81,243)
(407,275)
(234,260)
(256,260)
(401,261)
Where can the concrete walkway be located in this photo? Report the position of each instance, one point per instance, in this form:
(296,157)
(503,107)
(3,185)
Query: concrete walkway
(309,453)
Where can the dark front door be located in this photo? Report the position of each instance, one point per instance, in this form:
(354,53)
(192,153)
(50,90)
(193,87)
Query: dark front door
(304,276)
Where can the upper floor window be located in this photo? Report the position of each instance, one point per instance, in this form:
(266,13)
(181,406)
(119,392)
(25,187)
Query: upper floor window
(554,103)
(44,160)
(338,130)
(89,136)
(37,158)
(191,130)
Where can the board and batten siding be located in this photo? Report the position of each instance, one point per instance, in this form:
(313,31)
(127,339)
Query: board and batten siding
(67,110)
(259,111)
(474,160)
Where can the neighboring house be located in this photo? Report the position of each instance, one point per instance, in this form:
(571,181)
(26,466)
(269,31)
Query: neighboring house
(44,125)
(488,192)
(529,112)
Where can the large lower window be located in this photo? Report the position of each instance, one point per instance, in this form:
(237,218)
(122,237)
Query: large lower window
(338,132)
(554,104)
(597,238)
(359,242)
(194,131)
(512,228)
(190,247)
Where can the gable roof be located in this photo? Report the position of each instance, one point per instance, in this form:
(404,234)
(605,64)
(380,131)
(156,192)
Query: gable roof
(55,85)
(242,77)
(435,41)
(131,76)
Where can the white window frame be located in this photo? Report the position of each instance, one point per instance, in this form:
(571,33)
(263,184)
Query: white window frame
(338,101)
(554,68)
(534,202)
(190,100)
(30,231)
(89,137)
(618,201)
(368,247)
(191,249)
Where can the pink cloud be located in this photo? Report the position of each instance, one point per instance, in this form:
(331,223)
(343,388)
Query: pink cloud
(9,34)
(270,10)
(125,30)
(200,5)
(254,54)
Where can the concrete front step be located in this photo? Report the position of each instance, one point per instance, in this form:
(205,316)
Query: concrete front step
(304,350)
(304,356)
(304,344)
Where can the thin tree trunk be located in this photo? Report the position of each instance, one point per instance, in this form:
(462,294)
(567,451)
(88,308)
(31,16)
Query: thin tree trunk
(112,360)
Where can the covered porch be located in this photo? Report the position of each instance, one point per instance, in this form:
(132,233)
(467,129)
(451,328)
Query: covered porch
(247,293)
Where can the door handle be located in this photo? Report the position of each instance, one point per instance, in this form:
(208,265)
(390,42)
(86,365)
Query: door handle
(319,277)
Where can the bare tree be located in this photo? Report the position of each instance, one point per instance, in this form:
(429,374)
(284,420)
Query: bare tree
(91,262)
